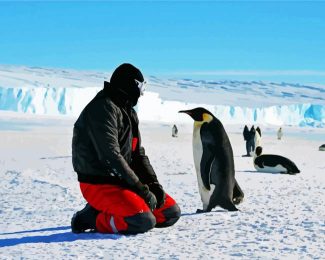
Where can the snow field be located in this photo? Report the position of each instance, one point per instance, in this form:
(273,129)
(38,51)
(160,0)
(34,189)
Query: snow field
(282,216)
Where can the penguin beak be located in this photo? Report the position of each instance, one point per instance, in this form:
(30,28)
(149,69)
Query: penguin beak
(185,111)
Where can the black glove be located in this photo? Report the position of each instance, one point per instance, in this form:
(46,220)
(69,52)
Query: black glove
(159,192)
(144,192)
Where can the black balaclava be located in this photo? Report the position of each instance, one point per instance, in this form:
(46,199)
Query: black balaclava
(123,85)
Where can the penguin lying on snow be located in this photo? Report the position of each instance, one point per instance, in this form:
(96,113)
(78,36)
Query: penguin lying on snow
(322,147)
(273,163)
(214,162)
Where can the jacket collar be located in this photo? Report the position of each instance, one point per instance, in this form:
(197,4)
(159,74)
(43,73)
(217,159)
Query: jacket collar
(117,97)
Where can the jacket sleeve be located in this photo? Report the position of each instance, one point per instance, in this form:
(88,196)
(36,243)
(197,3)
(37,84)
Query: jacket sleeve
(103,132)
(141,164)
(143,167)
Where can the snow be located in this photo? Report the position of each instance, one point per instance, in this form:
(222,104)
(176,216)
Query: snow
(65,92)
(282,216)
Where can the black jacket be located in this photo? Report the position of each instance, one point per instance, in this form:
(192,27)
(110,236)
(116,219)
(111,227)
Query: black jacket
(102,144)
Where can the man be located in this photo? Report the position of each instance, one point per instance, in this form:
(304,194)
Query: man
(115,175)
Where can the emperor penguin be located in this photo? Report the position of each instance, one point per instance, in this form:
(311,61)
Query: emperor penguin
(174,131)
(322,147)
(272,163)
(280,133)
(214,162)
(258,137)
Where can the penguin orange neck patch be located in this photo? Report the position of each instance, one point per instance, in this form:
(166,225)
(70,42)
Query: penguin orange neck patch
(207,117)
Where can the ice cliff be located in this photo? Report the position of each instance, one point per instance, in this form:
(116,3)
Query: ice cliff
(61,92)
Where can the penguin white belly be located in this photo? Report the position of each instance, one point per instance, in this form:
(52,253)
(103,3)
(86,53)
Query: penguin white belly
(257,140)
(276,169)
(197,154)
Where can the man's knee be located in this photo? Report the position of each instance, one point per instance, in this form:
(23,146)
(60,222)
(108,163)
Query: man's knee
(140,223)
(172,215)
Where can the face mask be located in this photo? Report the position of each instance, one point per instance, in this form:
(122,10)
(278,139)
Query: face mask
(141,85)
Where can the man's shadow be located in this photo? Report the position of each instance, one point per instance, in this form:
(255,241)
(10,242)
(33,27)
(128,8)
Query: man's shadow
(53,238)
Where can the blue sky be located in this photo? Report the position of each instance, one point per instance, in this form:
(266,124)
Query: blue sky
(223,40)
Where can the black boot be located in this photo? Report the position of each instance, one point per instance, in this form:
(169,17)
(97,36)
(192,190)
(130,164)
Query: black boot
(84,219)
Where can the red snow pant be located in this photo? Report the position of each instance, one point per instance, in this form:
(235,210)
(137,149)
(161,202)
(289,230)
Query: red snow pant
(123,211)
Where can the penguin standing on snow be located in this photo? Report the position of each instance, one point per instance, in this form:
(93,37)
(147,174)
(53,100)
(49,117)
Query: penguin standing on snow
(280,133)
(214,162)
(257,138)
(174,131)
(273,163)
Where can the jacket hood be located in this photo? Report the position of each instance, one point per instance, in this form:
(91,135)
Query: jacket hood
(123,83)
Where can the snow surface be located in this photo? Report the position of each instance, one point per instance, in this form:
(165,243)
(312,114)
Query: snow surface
(282,216)
(66,92)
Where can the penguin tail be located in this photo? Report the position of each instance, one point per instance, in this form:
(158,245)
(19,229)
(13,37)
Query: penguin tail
(238,200)
(294,170)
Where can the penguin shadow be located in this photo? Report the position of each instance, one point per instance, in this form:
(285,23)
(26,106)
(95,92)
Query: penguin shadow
(272,173)
(199,212)
(53,238)
(247,171)
(245,155)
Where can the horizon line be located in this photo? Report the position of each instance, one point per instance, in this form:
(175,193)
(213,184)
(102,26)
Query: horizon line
(254,73)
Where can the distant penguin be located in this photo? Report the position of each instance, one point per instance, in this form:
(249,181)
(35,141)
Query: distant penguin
(259,131)
(214,162)
(246,133)
(258,137)
(174,131)
(273,163)
(322,147)
(280,133)
(250,144)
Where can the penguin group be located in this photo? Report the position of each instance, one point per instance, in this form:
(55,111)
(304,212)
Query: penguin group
(252,138)
(272,163)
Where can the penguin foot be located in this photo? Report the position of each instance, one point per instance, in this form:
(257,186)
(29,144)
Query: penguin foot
(200,211)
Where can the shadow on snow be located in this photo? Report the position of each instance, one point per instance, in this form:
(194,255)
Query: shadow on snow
(37,230)
(53,238)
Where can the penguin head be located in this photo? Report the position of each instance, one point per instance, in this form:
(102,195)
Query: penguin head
(199,114)
(258,150)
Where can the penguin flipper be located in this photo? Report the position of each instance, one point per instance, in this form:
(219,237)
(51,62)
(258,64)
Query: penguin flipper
(206,163)
(208,155)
